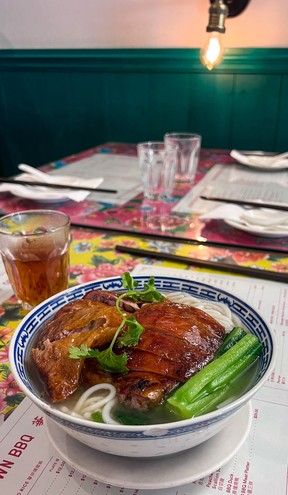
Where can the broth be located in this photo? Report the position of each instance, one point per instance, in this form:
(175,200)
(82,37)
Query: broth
(157,415)
(161,414)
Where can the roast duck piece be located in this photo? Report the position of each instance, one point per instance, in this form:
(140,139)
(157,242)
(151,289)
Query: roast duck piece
(177,341)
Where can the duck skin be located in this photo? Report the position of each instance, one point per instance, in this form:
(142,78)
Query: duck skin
(80,322)
(178,340)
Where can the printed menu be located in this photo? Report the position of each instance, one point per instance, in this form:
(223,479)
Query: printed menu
(235,182)
(29,464)
(106,165)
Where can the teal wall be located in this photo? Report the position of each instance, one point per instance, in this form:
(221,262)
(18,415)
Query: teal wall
(54,103)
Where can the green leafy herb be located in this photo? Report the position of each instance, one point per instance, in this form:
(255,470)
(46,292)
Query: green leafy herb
(107,358)
(128,282)
(149,293)
(131,336)
(129,331)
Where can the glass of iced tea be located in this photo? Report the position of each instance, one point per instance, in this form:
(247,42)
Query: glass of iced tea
(34,246)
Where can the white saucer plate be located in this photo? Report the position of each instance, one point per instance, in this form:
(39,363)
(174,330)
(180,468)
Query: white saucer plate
(257,230)
(157,473)
(264,167)
(259,164)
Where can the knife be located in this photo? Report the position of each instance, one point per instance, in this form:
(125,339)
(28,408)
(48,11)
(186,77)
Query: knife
(4,180)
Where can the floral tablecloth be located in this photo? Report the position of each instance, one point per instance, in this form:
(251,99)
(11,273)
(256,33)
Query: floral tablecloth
(93,256)
(134,215)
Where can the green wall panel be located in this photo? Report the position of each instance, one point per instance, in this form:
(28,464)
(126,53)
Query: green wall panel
(210,108)
(167,107)
(54,103)
(86,109)
(255,111)
(281,132)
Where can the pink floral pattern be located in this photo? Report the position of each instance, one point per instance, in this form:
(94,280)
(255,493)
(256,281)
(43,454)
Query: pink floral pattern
(130,217)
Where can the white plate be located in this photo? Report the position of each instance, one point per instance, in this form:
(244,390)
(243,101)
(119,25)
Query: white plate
(264,167)
(258,164)
(157,473)
(258,230)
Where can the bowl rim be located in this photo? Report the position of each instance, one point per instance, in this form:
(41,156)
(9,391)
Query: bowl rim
(224,411)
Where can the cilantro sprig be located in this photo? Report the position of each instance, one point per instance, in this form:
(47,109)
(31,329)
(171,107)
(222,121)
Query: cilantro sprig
(108,359)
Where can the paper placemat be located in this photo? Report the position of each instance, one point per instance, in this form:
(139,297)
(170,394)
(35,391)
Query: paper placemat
(119,172)
(237,183)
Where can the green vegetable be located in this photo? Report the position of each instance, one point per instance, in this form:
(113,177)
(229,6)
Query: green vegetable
(236,334)
(236,369)
(183,400)
(97,417)
(108,360)
(206,403)
(149,293)
(126,417)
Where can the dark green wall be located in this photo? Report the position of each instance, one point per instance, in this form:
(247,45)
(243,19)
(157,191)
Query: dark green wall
(54,103)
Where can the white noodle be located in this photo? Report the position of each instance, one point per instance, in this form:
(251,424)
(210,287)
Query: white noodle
(102,402)
(106,412)
(217,310)
(86,404)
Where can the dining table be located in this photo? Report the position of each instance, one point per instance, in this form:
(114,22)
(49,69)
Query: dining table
(109,239)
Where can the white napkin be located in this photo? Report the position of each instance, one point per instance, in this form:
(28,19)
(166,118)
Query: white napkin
(46,194)
(252,217)
(224,212)
(259,159)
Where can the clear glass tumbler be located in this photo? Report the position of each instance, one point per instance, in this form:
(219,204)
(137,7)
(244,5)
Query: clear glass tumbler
(188,148)
(157,162)
(34,246)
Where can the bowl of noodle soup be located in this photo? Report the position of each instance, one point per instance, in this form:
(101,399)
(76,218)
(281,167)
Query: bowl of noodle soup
(155,438)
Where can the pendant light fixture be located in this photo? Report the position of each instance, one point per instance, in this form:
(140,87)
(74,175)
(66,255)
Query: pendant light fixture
(212,53)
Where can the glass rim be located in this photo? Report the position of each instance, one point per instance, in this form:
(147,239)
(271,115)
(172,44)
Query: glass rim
(182,135)
(40,212)
(151,143)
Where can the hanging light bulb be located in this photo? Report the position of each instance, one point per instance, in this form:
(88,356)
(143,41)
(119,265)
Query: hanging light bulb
(212,53)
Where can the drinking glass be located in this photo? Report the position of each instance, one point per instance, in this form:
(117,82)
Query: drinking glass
(188,147)
(34,246)
(157,162)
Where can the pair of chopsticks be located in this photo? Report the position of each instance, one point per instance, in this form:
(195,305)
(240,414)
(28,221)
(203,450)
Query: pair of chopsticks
(215,265)
(4,180)
(176,239)
(244,202)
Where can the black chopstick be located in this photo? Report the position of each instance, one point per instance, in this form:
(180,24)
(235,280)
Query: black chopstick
(183,240)
(4,180)
(215,265)
(245,202)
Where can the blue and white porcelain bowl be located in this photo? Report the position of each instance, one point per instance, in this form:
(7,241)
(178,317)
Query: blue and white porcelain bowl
(140,441)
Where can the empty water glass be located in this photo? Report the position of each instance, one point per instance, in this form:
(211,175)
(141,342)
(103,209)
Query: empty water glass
(188,147)
(157,162)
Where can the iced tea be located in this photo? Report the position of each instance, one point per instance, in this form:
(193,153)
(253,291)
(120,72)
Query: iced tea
(35,280)
(35,250)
